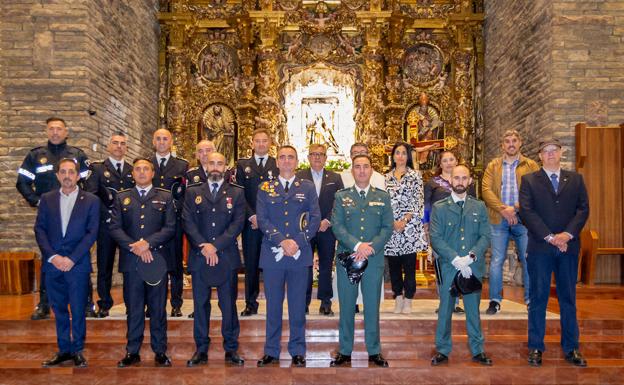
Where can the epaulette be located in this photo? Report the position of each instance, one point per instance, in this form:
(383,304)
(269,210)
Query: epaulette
(125,190)
(192,169)
(344,189)
(193,185)
(97,162)
(161,189)
(182,159)
(236,185)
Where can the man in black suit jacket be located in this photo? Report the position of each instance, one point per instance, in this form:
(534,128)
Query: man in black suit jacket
(554,207)
(169,175)
(250,172)
(326,184)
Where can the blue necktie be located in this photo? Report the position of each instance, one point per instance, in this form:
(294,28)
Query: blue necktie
(215,187)
(142,192)
(555,181)
(286,188)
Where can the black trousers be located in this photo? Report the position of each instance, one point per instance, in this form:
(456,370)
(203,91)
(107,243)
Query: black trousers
(399,265)
(325,245)
(252,241)
(106,249)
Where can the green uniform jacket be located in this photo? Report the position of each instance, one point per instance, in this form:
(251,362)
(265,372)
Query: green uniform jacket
(454,232)
(357,220)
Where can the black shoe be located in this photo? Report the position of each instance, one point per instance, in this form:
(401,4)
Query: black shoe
(458,310)
(326,309)
(234,359)
(267,360)
(378,360)
(41,312)
(90,311)
(298,361)
(79,361)
(493,309)
(192,315)
(357,308)
(439,359)
(58,359)
(307,310)
(162,360)
(129,360)
(197,359)
(482,359)
(438,309)
(176,312)
(576,358)
(147,313)
(340,360)
(248,312)
(102,313)
(535,357)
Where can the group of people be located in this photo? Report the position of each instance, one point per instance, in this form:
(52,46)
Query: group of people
(284,217)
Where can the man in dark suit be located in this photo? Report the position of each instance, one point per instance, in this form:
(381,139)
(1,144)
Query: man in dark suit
(250,172)
(143,222)
(288,216)
(66,257)
(554,207)
(326,183)
(107,178)
(213,216)
(169,175)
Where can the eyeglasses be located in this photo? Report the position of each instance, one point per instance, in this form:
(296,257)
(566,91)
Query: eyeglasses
(317,154)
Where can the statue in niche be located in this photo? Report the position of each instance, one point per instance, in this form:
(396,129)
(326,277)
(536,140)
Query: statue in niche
(215,63)
(425,132)
(218,124)
(319,133)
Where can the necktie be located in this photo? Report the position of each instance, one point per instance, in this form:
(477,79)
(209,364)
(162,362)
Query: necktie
(142,192)
(363,194)
(162,164)
(215,187)
(460,204)
(555,181)
(261,162)
(286,188)
(119,168)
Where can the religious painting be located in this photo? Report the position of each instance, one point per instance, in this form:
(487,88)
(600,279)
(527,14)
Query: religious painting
(218,124)
(425,132)
(217,62)
(423,63)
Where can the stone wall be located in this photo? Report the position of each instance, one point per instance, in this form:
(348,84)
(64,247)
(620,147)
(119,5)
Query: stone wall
(92,62)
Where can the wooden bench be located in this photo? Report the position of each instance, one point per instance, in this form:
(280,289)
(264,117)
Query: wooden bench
(589,252)
(19,272)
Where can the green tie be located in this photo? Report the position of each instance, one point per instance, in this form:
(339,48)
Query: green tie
(363,194)
(460,204)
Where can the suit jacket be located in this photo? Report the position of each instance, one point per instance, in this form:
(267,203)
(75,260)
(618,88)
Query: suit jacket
(250,175)
(172,178)
(105,182)
(356,220)
(331,183)
(454,232)
(544,211)
(81,230)
(279,216)
(214,220)
(152,218)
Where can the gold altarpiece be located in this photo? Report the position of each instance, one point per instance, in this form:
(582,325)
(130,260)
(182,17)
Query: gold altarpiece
(417,67)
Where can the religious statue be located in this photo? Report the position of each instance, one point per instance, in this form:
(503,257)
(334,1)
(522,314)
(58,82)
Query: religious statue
(425,132)
(216,63)
(219,125)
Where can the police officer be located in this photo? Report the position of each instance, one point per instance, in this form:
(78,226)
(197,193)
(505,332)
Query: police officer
(199,174)
(288,217)
(213,216)
(107,178)
(36,177)
(169,174)
(143,221)
(250,172)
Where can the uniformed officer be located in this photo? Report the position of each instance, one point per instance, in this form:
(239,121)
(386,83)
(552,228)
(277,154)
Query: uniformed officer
(459,229)
(199,174)
(36,177)
(213,216)
(143,221)
(250,172)
(107,178)
(288,217)
(170,173)
(362,222)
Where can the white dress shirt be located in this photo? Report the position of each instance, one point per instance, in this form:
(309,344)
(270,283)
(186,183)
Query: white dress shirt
(66,206)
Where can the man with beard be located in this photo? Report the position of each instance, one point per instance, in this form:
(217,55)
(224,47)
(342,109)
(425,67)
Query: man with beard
(460,234)
(501,183)
(213,216)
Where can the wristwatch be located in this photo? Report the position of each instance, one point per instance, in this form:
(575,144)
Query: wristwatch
(473,256)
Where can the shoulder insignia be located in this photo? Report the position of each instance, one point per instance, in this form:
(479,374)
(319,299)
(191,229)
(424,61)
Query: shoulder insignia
(161,189)
(236,185)
(193,185)
(182,159)
(192,169)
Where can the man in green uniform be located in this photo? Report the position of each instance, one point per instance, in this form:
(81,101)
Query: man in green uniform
(362,223)
(460,233)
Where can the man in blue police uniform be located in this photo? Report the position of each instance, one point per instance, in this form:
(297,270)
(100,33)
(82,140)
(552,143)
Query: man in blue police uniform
(36,177)
(250,173)
(142,222)
(107,178)
(288,217)
(66,257)
(326,183)
(199,174)
(169,175)
(213,216)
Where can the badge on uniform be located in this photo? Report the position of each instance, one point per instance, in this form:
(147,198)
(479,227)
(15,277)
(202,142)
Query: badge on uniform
(43,160)
(107,174)
(198,200)
(347,202)
(126,201)
(376,204)
(303,221)
(229,203)
(247,170)
(270,174)
(196,178)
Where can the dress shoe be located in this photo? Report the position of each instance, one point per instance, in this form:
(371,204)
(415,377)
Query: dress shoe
(298,361)
(198,359)
(248,312)
(176,312)
(439,359)
(326,309)
(482,359)
(340,360)
(162,360)
(378,360)
(234,359)
(102,313)
(357,308)
(90,311)
(493,308)
(458,310)
(576,358)
(192,315)
(58,359)
(41,312)
(535,357)
(79,360)
(129,360)
(267,360)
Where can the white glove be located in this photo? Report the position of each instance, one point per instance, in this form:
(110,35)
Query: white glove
(466,271)
(460,262)
(279,253)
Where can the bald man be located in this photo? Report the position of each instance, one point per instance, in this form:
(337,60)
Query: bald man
(199,174)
